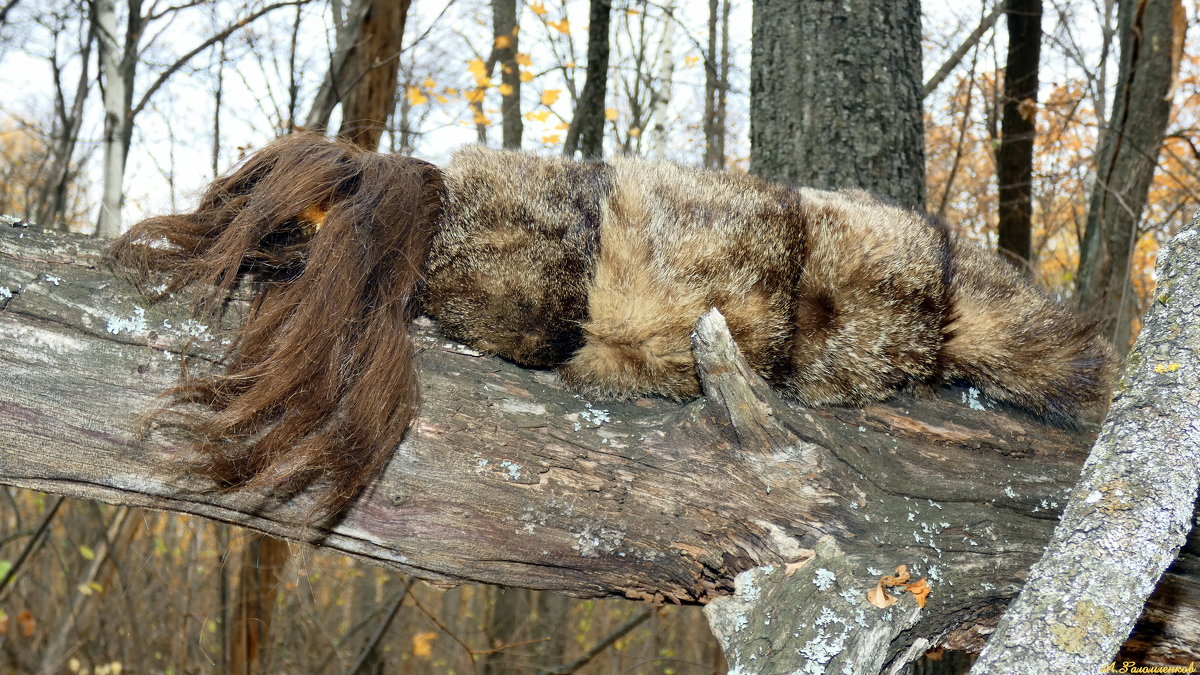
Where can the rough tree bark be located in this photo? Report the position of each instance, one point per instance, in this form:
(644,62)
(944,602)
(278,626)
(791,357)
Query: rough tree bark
(1014,158)
(348,28)
(1128,155)
(372,67)
(508,478)
(1132,508)
(506,34)
(586,133)
(835,95)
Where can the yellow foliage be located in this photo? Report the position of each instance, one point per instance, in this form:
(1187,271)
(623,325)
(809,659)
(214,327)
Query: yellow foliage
(505,89)
(551,139)
(481,119)
(538,8)
(550,96)
(422,644)
(537,116)
(477,68)
(610,114)
(429,83)
(691,60)
(474,96)
(523,59)
(503,42)
(526,76)
(563,26)
(415,97)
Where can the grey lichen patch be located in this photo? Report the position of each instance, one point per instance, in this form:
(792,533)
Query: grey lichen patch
(134,324)
(1111,497)
(593,540)
(1071,635)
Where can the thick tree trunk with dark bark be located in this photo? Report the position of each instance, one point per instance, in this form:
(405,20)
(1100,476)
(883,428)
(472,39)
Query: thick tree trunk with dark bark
(1014,158)
(835,95)
(371,72)
(506,38)
(1128,154)
(586,133)
(509,478)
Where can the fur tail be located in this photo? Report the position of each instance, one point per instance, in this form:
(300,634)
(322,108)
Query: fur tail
(321,382)
(1018,346)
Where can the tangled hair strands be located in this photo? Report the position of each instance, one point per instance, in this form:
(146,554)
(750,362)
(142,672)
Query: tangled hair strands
(321,383)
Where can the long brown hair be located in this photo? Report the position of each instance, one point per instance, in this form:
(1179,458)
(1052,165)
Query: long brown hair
(321,383)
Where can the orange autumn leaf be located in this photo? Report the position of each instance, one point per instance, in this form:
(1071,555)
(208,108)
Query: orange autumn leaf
(563,26)
(506,90)
(879,597)
(538,8)
(920,591)
(27,623)
(523,59)
(526,76)
(901,577)
(503,42)
(550,96)
(422,644)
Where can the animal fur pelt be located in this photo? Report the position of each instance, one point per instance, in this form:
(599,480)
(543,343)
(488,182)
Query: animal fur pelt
(597,269)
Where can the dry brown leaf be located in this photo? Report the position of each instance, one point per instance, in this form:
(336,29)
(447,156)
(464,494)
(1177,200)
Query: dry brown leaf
(920,591)
(806,554)
(27,623)
(900,579)
(879,597)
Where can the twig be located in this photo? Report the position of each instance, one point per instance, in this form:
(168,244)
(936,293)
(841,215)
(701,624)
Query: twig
(600,646)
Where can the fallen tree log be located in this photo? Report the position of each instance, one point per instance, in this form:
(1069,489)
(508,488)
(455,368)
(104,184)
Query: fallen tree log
(510,478)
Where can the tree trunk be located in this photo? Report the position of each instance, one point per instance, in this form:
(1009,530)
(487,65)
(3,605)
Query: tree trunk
(711,160)
(1014,158)
(332,88)
(1128,155)
(52,201)
(835,96)
(661,100)
(370,73)
(1132,509)
(509,478)
(260,565)
(118,66)
(506,33)
(586,133)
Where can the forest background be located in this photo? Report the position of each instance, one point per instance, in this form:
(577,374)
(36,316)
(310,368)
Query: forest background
(103,589)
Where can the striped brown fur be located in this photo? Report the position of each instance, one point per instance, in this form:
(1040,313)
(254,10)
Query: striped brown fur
(597,269)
